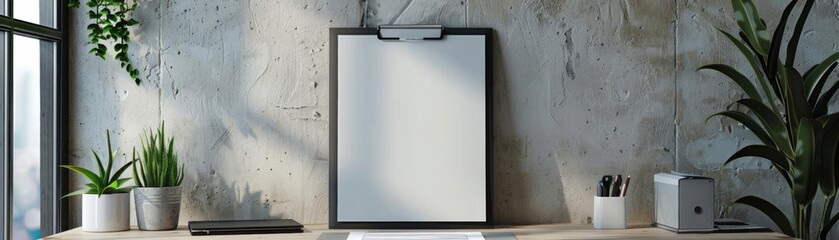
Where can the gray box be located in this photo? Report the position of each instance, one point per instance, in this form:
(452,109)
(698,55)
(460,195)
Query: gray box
(684,203)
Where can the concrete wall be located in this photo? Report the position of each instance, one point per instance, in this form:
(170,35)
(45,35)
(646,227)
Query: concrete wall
(583,89)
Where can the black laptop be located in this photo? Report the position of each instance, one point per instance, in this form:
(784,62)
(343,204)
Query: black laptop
(244,227)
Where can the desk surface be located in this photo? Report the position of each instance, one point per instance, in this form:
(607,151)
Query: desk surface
(547,231)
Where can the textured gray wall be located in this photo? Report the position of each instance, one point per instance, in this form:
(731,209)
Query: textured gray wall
(583,88)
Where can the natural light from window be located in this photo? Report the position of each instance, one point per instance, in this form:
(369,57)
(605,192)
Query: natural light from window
(29,10)
(26,139)
(26,214)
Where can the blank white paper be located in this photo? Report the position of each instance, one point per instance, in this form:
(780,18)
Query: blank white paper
(411,129)
(415,236)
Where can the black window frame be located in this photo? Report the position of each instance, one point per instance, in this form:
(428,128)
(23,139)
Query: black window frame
(54,109)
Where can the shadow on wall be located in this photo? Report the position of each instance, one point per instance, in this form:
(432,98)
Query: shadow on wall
(219,199)
(246,91)
(515,195)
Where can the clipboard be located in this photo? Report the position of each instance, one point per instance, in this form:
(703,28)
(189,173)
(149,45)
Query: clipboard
(410,128)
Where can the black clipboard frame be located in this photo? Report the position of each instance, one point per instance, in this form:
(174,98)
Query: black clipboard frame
(333,135)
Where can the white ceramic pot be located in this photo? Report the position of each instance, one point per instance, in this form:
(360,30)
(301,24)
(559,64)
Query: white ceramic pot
(158,208)
(105,213)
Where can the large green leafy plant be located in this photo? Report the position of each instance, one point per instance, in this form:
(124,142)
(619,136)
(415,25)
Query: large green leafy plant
(788,112)
(158,162)
(104,182)
(110,20)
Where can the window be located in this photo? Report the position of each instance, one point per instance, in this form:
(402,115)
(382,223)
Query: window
(40,12)
(32,57)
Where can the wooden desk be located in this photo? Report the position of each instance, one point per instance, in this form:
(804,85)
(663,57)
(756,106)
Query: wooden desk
(548,231)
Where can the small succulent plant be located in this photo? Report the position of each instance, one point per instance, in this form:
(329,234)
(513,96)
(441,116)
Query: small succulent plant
(158,162)
(104,182)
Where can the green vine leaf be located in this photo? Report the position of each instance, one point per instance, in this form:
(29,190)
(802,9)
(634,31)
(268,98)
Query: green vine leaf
(109,25)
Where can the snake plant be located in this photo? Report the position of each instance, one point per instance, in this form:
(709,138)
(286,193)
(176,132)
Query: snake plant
(158,162)
(788,112)
(104,182)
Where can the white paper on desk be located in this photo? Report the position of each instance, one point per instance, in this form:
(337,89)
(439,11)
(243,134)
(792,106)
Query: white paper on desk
(415,236)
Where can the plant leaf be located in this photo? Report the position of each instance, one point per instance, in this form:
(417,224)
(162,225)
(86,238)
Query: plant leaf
(777,158)
(827,159)
(828,210)
(827,226)
(159,160)
(107,175)
(816,90)
(792,45)
(774,125)
(826,120)
(79,192)
(753,62)
(181,177)
(804,174)
(118,173)
(737,77)
(809,71)
(123,190)
(797,107)
(96,188)
(99,163)
(119,182)
(773,155)
(760,57)
(774,50)
(822,69)
(771,211)
(143,175)
(749,122)
(107,190)
(134,168)
(87,173)
(820,109)
(747,17)
(172,164)
(836,166)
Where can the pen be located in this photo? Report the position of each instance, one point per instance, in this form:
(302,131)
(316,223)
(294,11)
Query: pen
(625,186)
(599,188)
(607,186)
(616,189)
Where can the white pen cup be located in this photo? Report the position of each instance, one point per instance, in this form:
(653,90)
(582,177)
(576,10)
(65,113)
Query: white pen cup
(609,213)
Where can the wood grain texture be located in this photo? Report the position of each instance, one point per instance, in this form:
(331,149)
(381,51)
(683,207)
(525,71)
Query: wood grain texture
(548,231)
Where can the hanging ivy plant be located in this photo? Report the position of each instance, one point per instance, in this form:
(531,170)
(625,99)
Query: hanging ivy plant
(110,21)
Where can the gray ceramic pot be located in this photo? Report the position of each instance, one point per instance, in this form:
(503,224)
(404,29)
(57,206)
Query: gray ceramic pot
(157,208)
